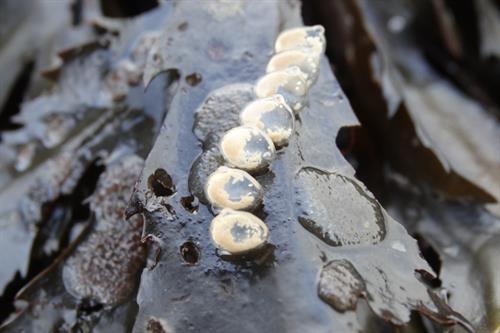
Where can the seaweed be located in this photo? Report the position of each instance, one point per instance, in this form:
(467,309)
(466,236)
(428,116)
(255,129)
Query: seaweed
(382,216)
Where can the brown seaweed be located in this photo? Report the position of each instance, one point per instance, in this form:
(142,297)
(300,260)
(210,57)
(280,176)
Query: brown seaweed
(337,259)
(276,292)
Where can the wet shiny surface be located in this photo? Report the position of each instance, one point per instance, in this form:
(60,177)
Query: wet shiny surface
(277,290)
(247,148)
(303,37)
(306,59)
(305,273)
(289,82)
(233,188)
(237,232)
(338,210)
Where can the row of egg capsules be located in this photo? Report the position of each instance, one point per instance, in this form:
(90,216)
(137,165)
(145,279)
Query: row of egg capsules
(266,124)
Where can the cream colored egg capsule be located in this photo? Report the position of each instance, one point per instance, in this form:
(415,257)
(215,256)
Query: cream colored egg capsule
(289,82)
(272,115)
(233,188)
(305,59)
(237,232)
(247,148)
(303,37)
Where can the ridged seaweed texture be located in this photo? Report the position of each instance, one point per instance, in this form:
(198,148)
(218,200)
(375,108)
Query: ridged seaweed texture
(345,238)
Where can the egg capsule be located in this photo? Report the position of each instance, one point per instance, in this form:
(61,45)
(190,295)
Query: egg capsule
(247,148)
(289,82)
(272,115)
(303,37)
(233,188)
(236,232)
(305,59)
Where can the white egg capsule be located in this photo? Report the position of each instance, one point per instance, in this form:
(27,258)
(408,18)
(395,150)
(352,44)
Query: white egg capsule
(247,148)
(272,115)
(289,82)
(303,37)
(305,59)
(233,188)
(236,232)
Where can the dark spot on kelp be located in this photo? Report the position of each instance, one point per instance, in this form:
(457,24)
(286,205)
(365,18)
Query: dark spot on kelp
(161,184)
(155,325)
(183,26)
(193,79)
(88,306)
(190,203)
(190,252)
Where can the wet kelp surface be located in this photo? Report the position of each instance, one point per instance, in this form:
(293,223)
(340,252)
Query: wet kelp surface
(105,226)
(420,78)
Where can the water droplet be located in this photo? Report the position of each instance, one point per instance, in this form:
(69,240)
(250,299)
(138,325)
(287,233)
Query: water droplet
(337,209)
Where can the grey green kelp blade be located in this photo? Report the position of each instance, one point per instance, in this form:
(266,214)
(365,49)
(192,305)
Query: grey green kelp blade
(187,285)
